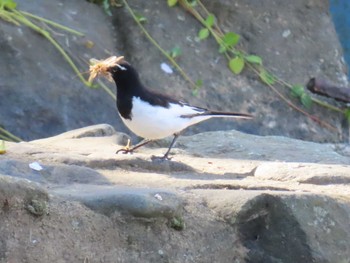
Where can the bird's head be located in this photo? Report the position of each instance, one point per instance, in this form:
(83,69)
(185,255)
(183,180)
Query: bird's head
(107,67)
(121,70)
(118,70)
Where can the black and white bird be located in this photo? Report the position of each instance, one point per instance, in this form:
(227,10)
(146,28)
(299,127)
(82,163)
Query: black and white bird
(149,114)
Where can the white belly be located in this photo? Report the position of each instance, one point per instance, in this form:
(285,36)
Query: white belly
(156,122)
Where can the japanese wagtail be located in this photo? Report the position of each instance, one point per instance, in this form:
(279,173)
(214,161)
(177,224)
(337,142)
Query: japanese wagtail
(149,114)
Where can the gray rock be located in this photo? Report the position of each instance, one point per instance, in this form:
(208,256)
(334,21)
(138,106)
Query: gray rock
(307,173)
(18,193)
(233,196)
(52,174)
(294,59)
(234,144)
(283,226)
(99,130)
(146,203)
(236,197)
(44,97)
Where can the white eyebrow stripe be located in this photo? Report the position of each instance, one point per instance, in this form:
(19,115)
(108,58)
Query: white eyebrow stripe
(121,67)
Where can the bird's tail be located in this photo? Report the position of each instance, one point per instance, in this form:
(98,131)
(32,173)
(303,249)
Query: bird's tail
(218,114)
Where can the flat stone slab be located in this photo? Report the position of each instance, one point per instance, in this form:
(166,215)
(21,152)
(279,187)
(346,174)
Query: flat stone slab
(147,203)
(269,199)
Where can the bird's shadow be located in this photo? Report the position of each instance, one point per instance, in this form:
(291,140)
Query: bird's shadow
(163,166)
(174,168)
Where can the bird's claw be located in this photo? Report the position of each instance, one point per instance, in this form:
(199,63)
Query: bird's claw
(126,149)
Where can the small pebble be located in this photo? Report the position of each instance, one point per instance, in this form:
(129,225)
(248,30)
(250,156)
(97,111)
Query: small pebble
(286,33)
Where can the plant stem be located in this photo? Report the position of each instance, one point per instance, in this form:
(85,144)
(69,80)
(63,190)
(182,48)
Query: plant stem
(72,31)
(150,38)
(218,34)
(22,19)
(7,136)
(323,123)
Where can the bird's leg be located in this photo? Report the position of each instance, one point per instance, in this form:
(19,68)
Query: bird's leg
(126,149)
(166,155)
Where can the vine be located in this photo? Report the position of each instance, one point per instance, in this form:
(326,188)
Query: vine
(237,58)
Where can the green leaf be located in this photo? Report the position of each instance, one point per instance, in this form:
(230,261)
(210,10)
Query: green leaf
(297,91)
(140,18)
(306,100)
(175,52)
(230,39)
(203,33)
(222,49)
(236,65)
(267,77)
(254,59)
(209,22)
(199,83)
(9,4)
(172,3)
(347,114)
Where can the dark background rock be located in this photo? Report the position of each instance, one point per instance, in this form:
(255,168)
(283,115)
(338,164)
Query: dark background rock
(40,94)
(294,58)
(42,97)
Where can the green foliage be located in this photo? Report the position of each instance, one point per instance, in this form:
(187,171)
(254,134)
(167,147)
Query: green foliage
(230,39)
(347,114)
(8,4)
(106,7)
(210,20)
(140,18)
(236,64)
(306,100)
(5,11)
(105,4)
(298,91)
(267,77)
(203,33)
(175,52)
(172,3)
(237,59)
(190,3)
(199,83)
(177,223)
(253,59)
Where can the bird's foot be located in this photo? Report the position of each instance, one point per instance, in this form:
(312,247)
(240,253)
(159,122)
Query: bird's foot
(126,149)
(163,158)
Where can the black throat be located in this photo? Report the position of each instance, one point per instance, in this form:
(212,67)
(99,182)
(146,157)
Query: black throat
(129,86)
